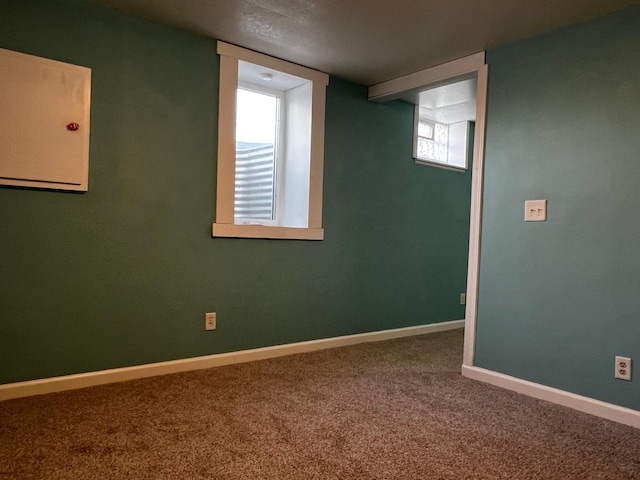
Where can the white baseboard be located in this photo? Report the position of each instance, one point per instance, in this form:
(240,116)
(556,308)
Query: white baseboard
(598,408)
(82,380)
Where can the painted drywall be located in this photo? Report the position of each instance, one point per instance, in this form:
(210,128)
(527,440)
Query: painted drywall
(123,274)
(559,299)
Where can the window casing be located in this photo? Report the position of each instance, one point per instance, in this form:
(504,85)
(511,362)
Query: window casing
(295,181)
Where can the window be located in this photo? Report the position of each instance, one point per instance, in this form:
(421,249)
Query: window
(270,147)
(438,143)
(433,140)
(443,117)
(257,126)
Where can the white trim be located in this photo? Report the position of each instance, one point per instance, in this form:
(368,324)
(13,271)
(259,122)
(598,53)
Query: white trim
(598,408)
(475,228)
(444,166)
(224,225)
(266,231)
(226,174)
(82,380)
(251,56)
(414,82)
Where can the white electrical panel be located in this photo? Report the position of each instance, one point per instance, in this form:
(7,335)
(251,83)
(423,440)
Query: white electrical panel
(44,122)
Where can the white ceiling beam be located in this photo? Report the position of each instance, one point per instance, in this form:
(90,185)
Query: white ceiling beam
(409,84)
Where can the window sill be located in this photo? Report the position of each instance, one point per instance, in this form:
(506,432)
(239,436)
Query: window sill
(421,161)
(262,231)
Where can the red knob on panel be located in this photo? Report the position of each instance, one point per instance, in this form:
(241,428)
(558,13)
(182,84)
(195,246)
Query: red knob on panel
(73,127)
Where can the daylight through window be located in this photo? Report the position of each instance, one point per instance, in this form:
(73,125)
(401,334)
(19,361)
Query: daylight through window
(270,147)
(257,121)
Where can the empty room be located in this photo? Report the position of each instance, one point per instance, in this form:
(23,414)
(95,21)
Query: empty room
(304,239)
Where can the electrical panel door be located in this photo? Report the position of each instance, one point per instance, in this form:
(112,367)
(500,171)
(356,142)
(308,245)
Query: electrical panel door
(44,122)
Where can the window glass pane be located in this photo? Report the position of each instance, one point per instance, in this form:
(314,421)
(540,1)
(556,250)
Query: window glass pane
(425,128)
(441,134)
(256,144)
(434,147)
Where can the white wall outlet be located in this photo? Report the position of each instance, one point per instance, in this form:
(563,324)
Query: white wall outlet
(623,368)
(210,321)
(535,210)
(463,299)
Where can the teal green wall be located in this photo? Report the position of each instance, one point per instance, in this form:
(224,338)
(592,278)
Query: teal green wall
(123,274)
(558,300)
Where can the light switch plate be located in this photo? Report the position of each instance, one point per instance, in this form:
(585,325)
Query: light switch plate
(535,210)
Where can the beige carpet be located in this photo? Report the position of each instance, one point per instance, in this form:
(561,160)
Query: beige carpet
(391,410)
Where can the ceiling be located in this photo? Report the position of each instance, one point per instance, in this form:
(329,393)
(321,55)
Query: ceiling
(369,41)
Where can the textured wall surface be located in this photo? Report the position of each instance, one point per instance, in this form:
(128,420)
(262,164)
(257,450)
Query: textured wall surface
(559,299)
(123,274)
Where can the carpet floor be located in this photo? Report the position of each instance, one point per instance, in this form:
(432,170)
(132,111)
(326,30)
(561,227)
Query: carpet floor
(396,409)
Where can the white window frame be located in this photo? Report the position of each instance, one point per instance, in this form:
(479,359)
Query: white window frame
(224,225)
(457,133)
(278,151)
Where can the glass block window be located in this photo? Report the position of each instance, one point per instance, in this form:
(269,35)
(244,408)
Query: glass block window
(433,140)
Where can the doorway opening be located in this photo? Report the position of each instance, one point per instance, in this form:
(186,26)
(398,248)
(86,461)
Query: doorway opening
(440,91)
